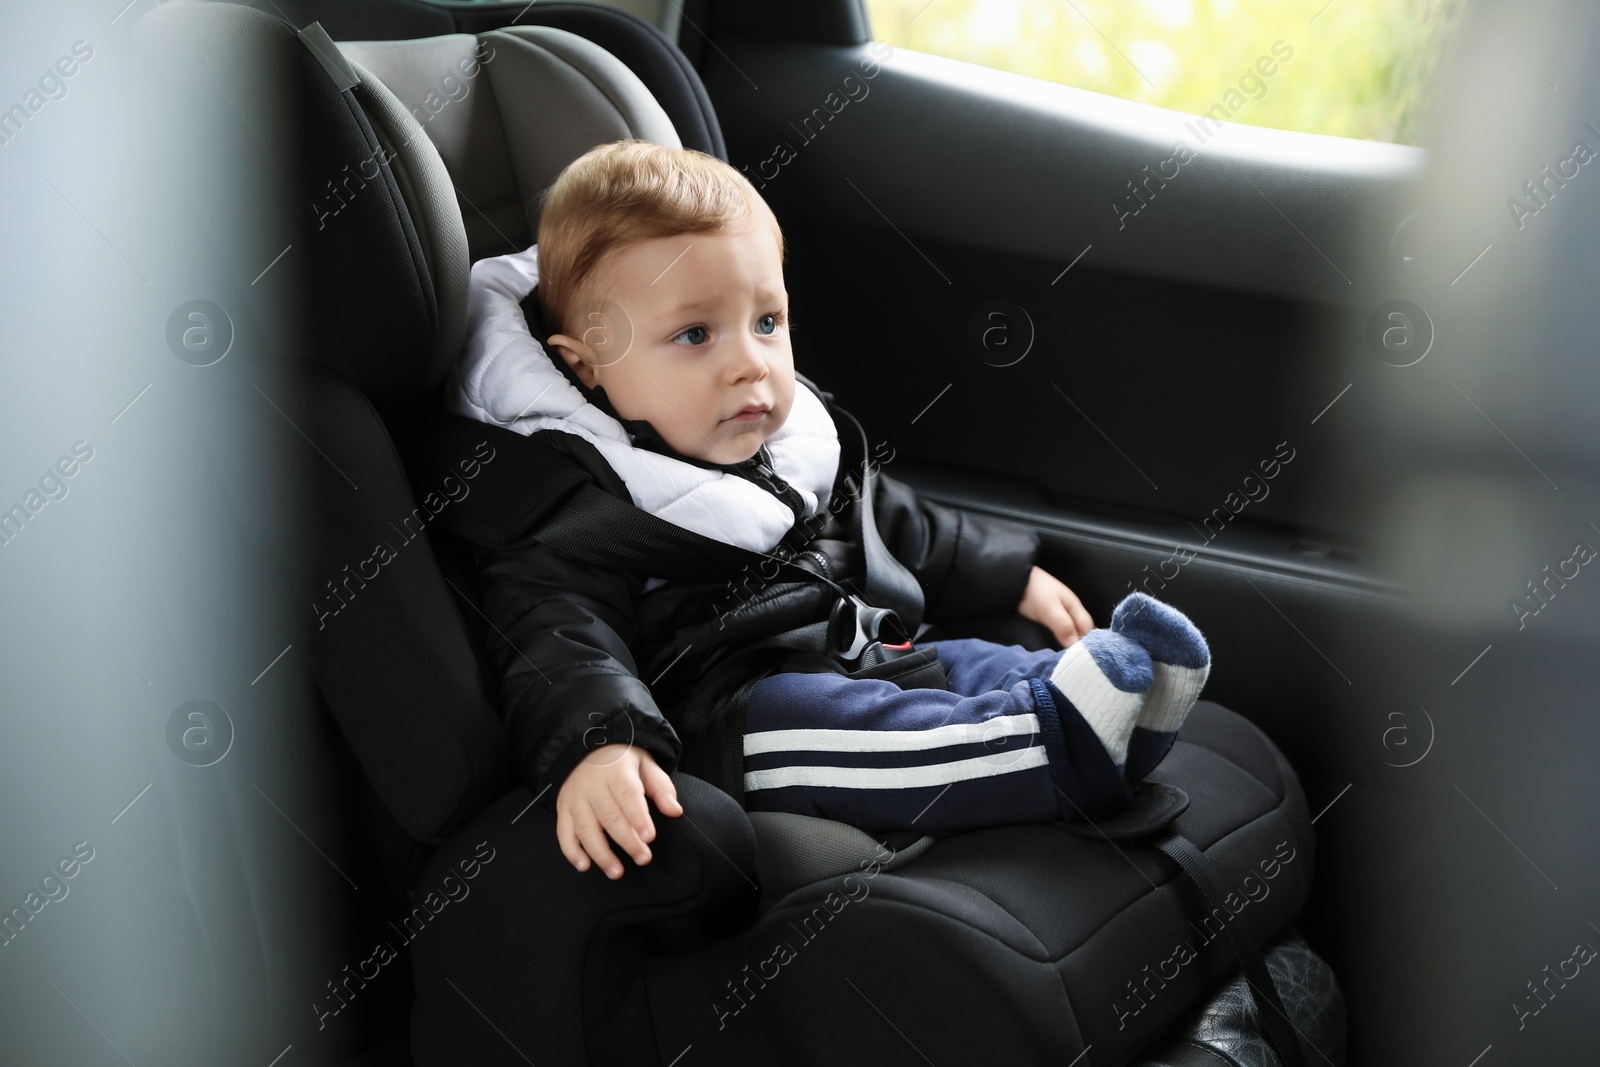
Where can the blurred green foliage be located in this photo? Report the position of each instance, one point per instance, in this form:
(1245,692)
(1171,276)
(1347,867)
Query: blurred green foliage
(1360,68)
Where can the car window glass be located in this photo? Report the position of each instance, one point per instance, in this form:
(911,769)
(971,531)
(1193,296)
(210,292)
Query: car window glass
(1351,68)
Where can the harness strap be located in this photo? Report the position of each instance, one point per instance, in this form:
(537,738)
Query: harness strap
(888,583)
(1203,875)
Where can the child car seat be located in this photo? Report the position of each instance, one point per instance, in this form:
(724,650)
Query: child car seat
(806,942)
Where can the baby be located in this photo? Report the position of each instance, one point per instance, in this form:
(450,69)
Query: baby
(648,331)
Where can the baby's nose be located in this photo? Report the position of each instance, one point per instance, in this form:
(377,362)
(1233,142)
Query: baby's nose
(749,362)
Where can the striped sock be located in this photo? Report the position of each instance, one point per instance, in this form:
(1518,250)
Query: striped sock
(1105,677)
(1180,662)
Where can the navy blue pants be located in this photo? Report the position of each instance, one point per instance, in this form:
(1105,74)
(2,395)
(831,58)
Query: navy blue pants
(1002,746)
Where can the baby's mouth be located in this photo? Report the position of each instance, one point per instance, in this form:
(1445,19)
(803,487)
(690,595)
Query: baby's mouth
(751,413)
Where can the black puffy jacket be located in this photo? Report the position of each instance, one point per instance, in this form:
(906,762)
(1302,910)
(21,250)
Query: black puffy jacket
(585,657)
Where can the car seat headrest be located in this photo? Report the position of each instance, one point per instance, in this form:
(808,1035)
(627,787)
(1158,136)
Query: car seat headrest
(506,111)
(349,244)
(394,218)
(425,188)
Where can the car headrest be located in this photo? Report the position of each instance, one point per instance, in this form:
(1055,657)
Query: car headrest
(506,111)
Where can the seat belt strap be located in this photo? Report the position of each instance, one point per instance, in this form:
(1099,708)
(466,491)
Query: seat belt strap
(1203,875)
(888,583)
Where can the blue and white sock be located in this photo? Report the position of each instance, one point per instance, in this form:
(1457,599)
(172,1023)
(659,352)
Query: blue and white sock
(1180,662)
(1105,676)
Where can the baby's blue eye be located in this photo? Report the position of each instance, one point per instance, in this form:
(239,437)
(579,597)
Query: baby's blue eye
(694,335)
(767,324)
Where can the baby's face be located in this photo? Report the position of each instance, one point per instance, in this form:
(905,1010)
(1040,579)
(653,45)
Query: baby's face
(696,341)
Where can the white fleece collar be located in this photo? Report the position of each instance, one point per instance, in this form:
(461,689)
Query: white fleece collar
(505,377)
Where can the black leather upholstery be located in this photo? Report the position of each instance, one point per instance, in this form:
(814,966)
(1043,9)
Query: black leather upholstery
(1225,1030)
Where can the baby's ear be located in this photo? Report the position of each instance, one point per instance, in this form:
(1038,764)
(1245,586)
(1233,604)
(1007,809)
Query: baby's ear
(576,355)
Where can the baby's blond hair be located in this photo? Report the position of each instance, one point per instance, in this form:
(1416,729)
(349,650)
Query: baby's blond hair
(621,193)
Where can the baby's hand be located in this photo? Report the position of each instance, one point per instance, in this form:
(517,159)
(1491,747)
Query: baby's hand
(1050,603)
(607,792)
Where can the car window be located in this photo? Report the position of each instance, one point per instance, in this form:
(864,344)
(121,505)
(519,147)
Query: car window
(1351,68)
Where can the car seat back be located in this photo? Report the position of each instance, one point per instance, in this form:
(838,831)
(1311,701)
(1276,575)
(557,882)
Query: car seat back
(506,111)
(383,258)
(479,127)
(473,129)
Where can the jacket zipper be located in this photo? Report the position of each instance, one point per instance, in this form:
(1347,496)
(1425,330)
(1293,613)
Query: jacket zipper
(762,473)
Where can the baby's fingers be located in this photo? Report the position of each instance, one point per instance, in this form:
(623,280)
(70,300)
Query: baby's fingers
(594,842)
(1061,623)
(629,794)
(567,838)
(1081,618)
(622,832)
(658,784)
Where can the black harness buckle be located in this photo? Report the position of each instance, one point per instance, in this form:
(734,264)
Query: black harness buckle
(859,633)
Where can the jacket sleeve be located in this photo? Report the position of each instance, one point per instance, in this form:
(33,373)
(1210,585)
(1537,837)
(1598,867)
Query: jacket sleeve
(969,565)
(559,640)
